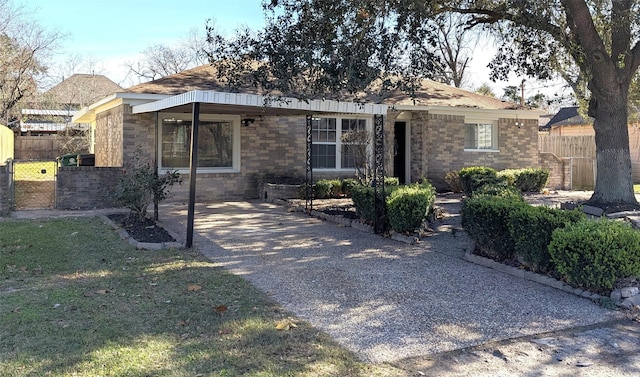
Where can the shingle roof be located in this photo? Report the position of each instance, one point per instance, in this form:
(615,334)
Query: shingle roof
(567,116)
(430,94)
(82,89)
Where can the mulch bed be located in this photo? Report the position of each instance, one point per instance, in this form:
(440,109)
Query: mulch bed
(141,231)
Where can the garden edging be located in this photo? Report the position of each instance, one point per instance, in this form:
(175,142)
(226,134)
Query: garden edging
(528,275)
(143,245)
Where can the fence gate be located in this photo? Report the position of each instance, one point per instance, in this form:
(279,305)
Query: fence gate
(34,184)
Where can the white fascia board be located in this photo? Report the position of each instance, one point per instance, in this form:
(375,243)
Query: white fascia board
(254,100)
(475,113)
(87,114)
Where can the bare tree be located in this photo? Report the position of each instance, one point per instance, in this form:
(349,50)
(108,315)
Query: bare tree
(162,60)
(455,43)
(24,50)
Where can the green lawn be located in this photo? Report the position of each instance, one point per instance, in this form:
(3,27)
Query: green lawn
(75,300)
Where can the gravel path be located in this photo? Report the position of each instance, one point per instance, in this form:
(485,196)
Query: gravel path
(383,299)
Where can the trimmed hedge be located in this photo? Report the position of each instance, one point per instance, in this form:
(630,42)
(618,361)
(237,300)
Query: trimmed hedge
(408,206)
(531,228)
(453,180)
(526,180)
(475,177)
(594,254)
(486,219)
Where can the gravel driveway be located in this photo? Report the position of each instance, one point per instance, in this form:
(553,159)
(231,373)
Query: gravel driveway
(383,299)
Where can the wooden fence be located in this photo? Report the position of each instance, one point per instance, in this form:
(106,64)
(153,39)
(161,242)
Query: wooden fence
(577,151)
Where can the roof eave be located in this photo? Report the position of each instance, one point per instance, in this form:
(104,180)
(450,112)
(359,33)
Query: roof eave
(452,110)
(285,104)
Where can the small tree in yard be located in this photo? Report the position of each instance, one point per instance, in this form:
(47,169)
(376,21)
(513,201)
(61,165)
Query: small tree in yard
(141,185)
(356,144)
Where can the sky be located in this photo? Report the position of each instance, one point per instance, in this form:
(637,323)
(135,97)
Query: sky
(112,33)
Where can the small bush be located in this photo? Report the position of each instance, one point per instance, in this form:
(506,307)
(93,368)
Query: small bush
(595,254)
(531,228)
(486,219)
(347,185)
(140,186)
(408,206)
(475,177)
(499,190)
(391,181)
(453,180)
(362,197)
(322,189)
(531,180)
(336,188)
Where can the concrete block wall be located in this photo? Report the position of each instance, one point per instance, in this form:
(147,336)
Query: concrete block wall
(86,187)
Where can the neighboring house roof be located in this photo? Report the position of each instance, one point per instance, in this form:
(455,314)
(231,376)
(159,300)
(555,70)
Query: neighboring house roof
(431,93)
(82,89)
(567,116)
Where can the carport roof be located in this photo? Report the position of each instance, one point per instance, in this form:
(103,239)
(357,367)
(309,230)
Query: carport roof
(254,104)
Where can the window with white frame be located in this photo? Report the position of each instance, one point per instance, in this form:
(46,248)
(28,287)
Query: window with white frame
(218,142)
(481,136)
(329,151)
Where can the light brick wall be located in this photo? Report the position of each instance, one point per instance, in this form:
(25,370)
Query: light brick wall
(442,147)
(108,137)
(270,147)
(559,172)
(86,187)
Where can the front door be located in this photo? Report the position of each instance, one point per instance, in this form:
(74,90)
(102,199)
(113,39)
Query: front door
(400,151)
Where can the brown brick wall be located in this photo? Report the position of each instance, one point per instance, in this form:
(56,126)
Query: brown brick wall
(86,187)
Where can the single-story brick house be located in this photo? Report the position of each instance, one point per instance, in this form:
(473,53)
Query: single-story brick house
(246,139)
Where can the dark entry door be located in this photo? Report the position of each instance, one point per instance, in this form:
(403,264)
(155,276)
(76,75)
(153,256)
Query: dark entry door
(400,151)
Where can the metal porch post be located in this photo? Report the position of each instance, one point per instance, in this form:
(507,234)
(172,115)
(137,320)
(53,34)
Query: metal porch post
(309,179)
(378,175)
(193,167)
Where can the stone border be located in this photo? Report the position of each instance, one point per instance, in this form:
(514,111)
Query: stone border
(528,275)
(144,245)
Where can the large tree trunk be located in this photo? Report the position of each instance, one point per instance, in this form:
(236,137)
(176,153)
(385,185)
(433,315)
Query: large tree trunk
(614,182)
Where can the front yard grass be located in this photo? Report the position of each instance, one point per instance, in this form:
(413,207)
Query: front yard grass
(75,300)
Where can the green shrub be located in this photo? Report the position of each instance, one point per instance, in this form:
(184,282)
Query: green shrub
(347,185)
(475,177)
(486,219)
(336,188)
(595,254)
(140,185)
(408,206)
(322,189)
(531,228)
(362,197)
(453,180)
(531,180)
(391,181)
(500,190)
(508,176)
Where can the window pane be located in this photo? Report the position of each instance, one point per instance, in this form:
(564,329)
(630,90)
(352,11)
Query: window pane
(323,156)
(470,141)
(215,144)
(484,136)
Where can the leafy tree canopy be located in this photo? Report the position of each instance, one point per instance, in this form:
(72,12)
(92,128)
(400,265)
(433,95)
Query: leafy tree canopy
(312,47)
